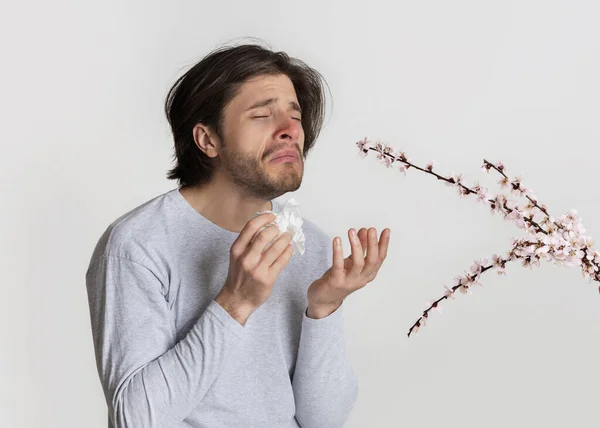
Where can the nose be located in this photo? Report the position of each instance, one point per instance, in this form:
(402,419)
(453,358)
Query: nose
(288,129)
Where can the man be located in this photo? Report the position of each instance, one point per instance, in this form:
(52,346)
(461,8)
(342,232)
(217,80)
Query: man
(197,324)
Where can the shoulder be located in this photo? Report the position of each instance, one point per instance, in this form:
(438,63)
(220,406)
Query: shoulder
(132,235)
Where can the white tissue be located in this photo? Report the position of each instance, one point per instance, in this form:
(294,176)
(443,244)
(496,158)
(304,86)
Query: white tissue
(288,220)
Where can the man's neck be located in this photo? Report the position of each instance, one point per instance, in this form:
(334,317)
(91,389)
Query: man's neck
(223,207)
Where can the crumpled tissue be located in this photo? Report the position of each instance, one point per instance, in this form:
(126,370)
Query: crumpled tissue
(288,220)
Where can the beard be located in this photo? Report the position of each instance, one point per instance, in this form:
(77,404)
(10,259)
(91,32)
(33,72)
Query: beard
(260,179)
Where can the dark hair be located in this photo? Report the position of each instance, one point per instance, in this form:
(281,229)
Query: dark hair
(203,92)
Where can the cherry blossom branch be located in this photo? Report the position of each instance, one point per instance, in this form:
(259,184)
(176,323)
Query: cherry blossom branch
(500,203)
(562,242)
(515,184)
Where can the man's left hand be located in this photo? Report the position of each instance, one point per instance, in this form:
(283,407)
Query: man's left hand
(345,276)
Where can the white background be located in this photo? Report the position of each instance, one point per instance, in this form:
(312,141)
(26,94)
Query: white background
(84,139)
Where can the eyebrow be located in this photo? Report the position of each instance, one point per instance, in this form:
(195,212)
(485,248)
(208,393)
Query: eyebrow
(261,103)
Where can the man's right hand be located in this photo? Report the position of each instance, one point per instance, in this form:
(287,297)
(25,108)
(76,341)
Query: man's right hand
(252,273)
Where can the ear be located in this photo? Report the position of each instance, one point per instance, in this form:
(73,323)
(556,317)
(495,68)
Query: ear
(206,140)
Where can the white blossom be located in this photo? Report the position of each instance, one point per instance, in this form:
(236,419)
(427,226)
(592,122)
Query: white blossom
(559,241)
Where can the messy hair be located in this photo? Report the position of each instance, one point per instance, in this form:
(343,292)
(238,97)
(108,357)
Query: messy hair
(203,92)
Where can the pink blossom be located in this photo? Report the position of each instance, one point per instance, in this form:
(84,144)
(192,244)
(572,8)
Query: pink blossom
(477,266)
(482,195)
(429,167)
(560,241)
(387,161)
(464,289)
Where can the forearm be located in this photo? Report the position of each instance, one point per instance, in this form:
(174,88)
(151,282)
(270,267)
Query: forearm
(237,309)
(325,385)
(170,386)
(149,377)
(316,311)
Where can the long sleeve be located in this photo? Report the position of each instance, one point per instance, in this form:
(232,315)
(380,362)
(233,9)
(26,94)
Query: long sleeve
(149,379)
(325,385)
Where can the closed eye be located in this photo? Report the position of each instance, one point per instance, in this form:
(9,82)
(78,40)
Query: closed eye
(296,118)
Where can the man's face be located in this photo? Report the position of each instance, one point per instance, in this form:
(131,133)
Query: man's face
(255,134)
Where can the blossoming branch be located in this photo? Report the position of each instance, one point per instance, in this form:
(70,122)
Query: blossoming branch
(560,241)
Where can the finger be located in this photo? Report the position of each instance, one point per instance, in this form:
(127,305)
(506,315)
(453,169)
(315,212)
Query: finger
(338,255)
(357,255)
(275,250)
(250,229)
(372,252)
(257,247)
(383,244)
(281,261)
(362,234)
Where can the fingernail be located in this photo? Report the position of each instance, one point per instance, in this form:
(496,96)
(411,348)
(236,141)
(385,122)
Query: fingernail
(353,233)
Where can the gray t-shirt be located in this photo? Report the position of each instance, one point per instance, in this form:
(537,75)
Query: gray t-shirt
(169,356)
